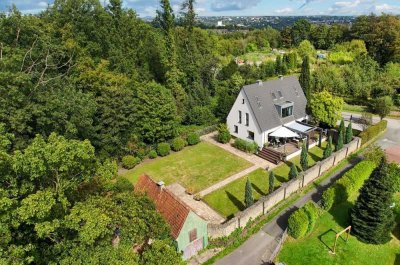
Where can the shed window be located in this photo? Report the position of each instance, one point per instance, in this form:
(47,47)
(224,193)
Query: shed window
(192,235)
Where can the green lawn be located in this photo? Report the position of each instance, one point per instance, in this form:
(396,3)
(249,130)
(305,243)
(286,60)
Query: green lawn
(196,167)
(314,249)
(230,199)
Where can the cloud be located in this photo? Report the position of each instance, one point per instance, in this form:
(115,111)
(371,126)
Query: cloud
(384,8)
(29,7)
(231,5)
(306,3)
(284,11)
(350,7)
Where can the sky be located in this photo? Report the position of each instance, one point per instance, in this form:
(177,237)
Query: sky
(242,7)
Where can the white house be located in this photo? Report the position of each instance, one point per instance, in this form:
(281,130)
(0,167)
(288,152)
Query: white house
(262,108)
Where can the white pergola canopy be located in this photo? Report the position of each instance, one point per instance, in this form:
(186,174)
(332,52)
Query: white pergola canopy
(299,127)
(283,133)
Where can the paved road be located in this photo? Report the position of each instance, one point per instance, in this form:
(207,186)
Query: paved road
(257,249)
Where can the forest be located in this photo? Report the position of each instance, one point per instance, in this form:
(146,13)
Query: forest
(82,85)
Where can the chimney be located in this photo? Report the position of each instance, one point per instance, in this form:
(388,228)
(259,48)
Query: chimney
(280,77)
(259,82)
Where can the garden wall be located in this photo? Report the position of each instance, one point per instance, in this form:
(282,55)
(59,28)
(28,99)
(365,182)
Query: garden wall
(265,203)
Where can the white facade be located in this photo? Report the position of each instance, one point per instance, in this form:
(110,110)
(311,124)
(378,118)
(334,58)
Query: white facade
(241,129)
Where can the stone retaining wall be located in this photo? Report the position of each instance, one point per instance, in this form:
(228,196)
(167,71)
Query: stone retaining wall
(264,204)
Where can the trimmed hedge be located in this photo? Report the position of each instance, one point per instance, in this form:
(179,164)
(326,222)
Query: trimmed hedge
(163,149)
(193,139)
(130,161)
(246,146)
(312,213)
(372,131)
(153,154)
(298,223)
(351,182)
(178,144)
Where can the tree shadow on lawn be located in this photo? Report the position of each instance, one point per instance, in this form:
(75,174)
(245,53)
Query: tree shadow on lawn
(258,190)
(341,213)
(235,201)
(397,260)
(314,157)
(328,238)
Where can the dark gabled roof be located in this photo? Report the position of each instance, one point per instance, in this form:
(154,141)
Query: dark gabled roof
(167,204)
(264,97)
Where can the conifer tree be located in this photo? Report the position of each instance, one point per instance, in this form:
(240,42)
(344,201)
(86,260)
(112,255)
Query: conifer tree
(248,195)
(304,157)
(305,77)
(349,134)
(293,173)
(271,182)
(372,218)
(328,149)
(339,144)
(342,128)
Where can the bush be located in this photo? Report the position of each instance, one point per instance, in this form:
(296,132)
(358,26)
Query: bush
(372,131)
(178,144)
(224,136)
(193,138)
(298,223)
(122,185)
(200,115)
(328,198)
(163,149)
(246,146)
(350,183)
(312,213)
(130,161)
(153,154)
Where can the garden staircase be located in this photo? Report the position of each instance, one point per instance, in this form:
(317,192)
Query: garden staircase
(270,155)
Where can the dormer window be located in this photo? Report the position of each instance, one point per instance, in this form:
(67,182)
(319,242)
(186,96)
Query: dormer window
(286,112)
(285,109)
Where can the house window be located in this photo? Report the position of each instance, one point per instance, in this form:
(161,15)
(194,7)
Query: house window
(242,101)
(250,135)
(287,111)
(247,119)
(192,235)
(240,117)
(236,129)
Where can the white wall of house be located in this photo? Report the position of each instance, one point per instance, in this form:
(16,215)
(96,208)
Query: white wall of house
(243,130)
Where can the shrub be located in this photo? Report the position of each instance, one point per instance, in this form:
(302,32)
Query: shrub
(246,146)
(163,149)
(328,198)
(122,185)
(298,223)
(224,136)
(130,161)
(153,154)
(293,173)
(312,213)
(375,154)
(200,115)
(178,144)
(372,131)
(193,138)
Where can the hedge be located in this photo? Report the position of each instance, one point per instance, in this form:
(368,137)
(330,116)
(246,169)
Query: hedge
(246,146)
(130,161)
(163,149)
(224,136)
(372,131)
(312,213)
(298,223)
(193,138)
(350,183)
(178,144)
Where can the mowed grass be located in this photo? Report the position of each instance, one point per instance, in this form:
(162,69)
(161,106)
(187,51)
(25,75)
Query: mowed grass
(196,167)
(229,200)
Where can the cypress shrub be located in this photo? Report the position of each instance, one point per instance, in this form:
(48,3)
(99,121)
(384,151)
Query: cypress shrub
(193,138)
(342,129)
(224,136)
(312,213)
(328,199)
(178,144)
(328,149)
(349,134)
(163,149)
(339,144)
(293,173)
(304,157)
(248,194)
(298,223)
(271,182)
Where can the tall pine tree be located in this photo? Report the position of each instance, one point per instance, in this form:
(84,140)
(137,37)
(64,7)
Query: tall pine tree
(248,194)
(304,157)
(293,173)
(372,218)
(305,77)
(328,149)
(342,128)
